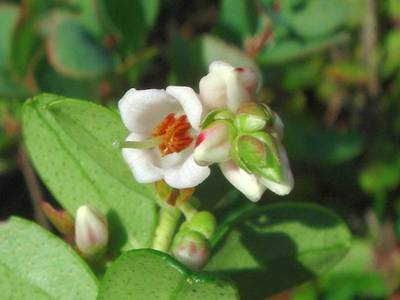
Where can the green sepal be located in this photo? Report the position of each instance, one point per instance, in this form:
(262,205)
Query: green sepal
(257,154)
(202,222)
(253,117)
(217,114)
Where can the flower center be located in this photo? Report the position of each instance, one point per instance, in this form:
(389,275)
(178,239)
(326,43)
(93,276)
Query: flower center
(173,133)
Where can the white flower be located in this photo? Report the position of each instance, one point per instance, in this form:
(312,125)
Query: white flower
(227,86)
(163,126)
(91,232)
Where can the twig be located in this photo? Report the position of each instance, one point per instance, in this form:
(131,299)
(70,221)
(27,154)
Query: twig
(33,186)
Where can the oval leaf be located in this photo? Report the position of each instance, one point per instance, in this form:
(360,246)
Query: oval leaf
(274,241)
(88,61)
(150,274)
(34,264)
(71,145)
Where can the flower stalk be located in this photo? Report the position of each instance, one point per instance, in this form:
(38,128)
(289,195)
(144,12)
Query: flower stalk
(168,221)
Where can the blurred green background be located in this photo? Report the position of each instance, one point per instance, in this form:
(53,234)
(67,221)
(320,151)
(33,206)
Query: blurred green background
(330,68)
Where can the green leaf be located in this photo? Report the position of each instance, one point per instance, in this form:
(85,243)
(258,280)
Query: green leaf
(306,141)
(131,20)
(150,274)
(290,49)
(88,61)
(10,88)
(8,20)
(190,59)
(380,176)
(355,276)
(394,9)
(392,49)
(317,18)
(34,264)
(89,15)
(237,20)
(71,145)
(52,82)
(276,247)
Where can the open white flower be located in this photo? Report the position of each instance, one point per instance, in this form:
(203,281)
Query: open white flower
(226,86)
(163,126)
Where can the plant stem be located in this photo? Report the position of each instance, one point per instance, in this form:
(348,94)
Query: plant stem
(168,220)
(33,186)
(187,209)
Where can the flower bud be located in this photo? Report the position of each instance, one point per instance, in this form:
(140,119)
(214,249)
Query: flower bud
(257,154)
(213,144)
(248,79)
(91,232)
(191,248)
(252,117)
(202,222)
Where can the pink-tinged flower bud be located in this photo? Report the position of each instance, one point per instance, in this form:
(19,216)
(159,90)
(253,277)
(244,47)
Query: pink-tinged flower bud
(191,248)
(202,222)
(213,144)
(248,79)
(226,86)
(91,231)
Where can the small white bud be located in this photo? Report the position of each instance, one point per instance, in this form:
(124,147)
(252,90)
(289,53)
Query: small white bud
(91,230)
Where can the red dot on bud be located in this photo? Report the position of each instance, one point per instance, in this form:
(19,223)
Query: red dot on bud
(200,138)
(239,69)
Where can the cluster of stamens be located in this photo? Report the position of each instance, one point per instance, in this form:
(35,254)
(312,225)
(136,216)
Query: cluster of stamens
(174,133)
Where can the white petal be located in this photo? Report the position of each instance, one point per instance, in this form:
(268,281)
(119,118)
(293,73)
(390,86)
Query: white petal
(226,86)
(219,65)
(190,103)
(186,175)
(243,181)
(248,79)
(142,110)
(144,163)
(236,92)
(279,127)
(213,91)
(286,185)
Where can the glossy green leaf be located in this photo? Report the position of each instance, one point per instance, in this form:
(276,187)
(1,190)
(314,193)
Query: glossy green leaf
(8,20)
(131,20)
(237,20)
(90,61)
(149,274)
(275,247)
(71,145)
(34,264)
(317,18)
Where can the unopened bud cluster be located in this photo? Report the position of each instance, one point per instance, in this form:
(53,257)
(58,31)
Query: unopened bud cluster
(249,137)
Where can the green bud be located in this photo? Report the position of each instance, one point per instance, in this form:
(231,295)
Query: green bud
(257,154)
(203,222)
(191,248)
(252,117)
